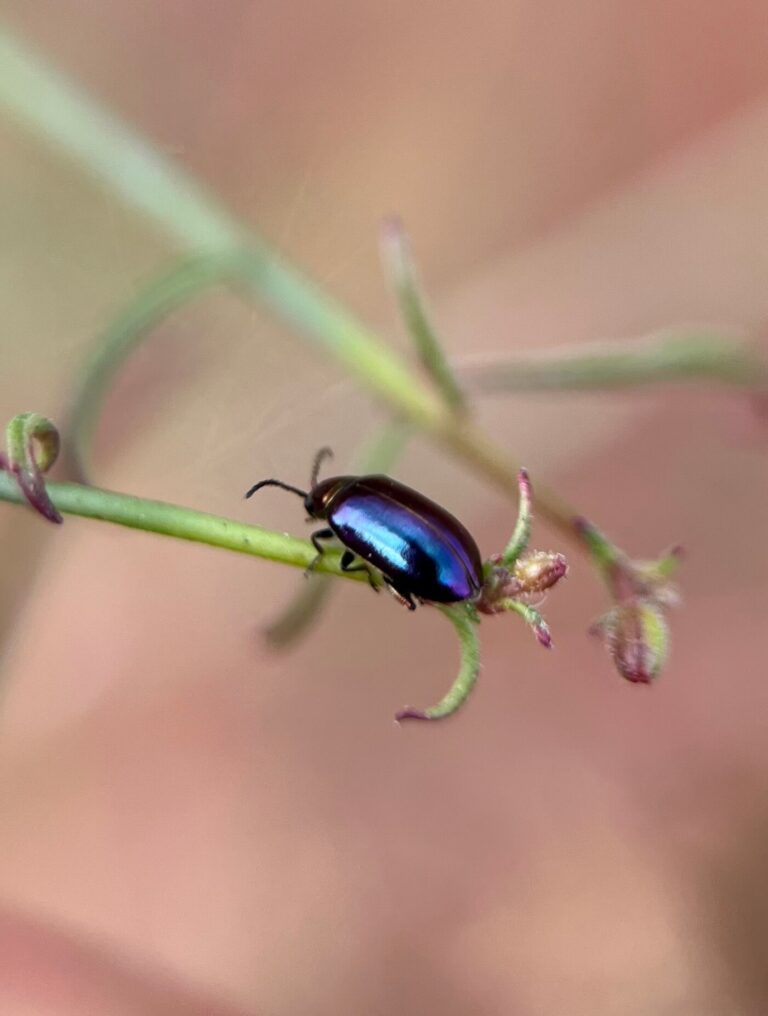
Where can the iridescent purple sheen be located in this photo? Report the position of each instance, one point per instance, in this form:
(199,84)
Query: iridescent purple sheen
(414,542)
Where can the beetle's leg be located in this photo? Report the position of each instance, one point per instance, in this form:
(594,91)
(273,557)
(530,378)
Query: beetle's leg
(321,534)
(405,598)
(347,559)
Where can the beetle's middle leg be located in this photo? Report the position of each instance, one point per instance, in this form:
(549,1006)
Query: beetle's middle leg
(348,565)
(316,537)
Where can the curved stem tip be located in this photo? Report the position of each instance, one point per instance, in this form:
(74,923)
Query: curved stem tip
(469,668)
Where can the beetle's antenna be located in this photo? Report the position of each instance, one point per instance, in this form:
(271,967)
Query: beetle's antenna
(324,453)
(276,483)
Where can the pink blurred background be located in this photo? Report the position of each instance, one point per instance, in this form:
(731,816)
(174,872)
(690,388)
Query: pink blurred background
(192,823)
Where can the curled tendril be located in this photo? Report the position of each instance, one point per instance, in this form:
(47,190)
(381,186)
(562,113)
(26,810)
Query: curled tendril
(465,623)
(32,443)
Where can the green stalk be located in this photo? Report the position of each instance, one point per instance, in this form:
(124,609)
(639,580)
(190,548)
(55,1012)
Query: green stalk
(401,270)
(469,669)
(153,305)
(52,107)
(182,523)
(693,357)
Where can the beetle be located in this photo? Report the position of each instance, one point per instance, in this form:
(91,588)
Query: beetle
(422,552)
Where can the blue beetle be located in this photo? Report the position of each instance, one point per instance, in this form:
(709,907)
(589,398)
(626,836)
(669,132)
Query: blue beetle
(422,552)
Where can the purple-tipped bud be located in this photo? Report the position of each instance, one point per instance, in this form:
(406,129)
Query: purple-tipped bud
(635,635)
(542,633)
(33,446)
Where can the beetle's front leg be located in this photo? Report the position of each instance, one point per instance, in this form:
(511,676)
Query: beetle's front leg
(321,534)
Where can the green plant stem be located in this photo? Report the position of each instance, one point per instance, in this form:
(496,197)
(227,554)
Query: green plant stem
(156,302)
(182,523)
(401,270)
(469,669)
(690,357)
(51,106)
(522,531)
(532,618)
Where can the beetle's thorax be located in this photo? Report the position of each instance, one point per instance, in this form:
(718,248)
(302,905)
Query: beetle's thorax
(319,501)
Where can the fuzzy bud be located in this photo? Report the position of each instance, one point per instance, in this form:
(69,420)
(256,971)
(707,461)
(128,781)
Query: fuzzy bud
(635,635)
(539,570)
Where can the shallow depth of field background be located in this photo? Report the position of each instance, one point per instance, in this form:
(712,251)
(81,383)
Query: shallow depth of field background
(184,812)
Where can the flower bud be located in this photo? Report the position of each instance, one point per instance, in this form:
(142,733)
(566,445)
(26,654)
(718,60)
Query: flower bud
(539,570)
(635,635)
(33,446)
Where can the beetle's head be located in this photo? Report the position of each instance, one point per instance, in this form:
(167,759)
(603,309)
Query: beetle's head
(319,500)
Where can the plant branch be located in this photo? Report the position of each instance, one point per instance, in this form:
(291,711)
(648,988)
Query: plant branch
(51,106)
(155,302)
(692,356)
(222,249)
(401,270)
(182,523)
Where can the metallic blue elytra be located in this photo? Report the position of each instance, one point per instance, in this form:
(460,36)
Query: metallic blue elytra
(419,548)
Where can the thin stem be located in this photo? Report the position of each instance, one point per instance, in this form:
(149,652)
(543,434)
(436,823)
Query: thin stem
(690,357)
(532,618)
(400,267)
(155,303)
(301,613)
(381,452)
(469,668)
(51,106)
(643,361)
(522,531)
(182,523)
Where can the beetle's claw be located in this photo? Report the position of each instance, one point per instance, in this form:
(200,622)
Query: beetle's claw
(405,599)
